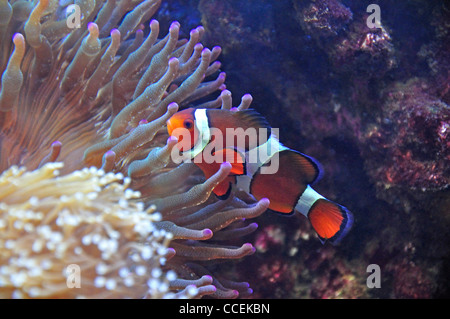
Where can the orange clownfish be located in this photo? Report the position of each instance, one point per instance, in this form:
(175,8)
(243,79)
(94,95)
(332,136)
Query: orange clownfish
(261,165)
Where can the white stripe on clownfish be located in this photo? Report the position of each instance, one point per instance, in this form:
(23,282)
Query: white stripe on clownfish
(201,122)
(256,158)
(307,199)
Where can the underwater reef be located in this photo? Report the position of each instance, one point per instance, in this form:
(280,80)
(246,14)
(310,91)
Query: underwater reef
(86,176)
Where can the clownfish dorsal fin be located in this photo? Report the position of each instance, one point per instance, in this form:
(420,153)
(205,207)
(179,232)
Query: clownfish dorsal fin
(311,169)
(251,118)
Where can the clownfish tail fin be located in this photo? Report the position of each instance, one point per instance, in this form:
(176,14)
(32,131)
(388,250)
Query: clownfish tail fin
(331,221)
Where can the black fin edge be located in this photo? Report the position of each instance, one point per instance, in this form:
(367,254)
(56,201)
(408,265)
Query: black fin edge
(347,224)
(227,194)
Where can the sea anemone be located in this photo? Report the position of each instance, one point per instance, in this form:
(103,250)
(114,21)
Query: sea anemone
(83,221)
(86,159)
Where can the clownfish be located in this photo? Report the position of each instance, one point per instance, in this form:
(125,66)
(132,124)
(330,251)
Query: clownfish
(261,165)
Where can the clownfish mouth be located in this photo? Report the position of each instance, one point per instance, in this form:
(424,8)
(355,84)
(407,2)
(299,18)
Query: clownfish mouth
(173,132)
(169,127)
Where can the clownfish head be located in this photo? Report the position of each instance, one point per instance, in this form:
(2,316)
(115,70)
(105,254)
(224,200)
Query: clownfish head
(182,125)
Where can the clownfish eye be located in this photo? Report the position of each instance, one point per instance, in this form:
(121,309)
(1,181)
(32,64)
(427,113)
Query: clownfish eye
(188,124)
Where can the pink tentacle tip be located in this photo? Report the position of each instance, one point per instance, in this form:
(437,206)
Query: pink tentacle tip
(216,64)
(208,278)
(207,233)
(206,51)
(172,107)
(56,144)
(92,26)
(234,109)
(225,92)
(173,63)
(172,141)
(251,247)
(225,165)
(143,121)
(173,60)
(193,32)
(198,46)
(175,26)
(114,32)
(18,37)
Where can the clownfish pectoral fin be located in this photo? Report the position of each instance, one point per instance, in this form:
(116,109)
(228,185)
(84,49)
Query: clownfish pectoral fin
(223,190)
(234,157)
(331,221)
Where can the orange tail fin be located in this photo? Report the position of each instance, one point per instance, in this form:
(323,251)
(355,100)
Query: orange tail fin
(331,221)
